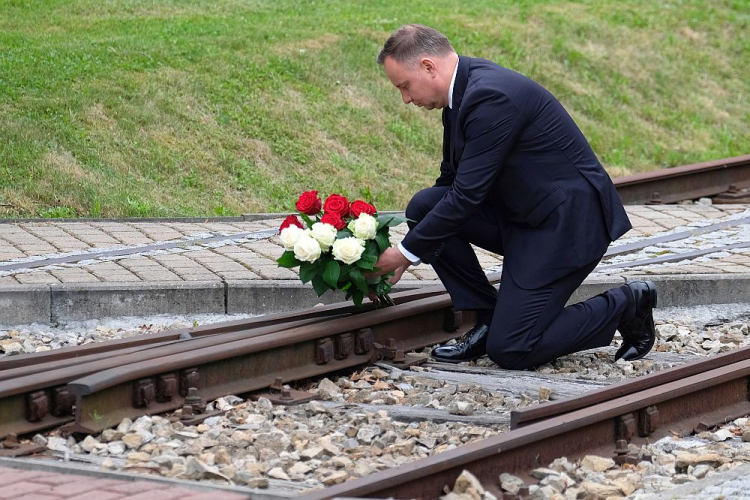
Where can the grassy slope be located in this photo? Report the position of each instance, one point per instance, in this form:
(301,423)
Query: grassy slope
(150,108)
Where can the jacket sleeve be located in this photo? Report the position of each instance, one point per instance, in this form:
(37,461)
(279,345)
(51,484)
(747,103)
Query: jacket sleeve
(491,123)
(447,172)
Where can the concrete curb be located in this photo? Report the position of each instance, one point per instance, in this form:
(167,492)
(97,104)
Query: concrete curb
(59,304)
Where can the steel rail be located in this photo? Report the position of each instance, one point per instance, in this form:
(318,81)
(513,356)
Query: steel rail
(320,312)
(531,414)
(45,399)
(109,359)
(159,385)
(674,407)
(686,182)
(42,399)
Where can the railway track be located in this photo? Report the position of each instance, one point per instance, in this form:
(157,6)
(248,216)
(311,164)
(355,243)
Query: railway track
(92,387)
(727,180)
(677,401)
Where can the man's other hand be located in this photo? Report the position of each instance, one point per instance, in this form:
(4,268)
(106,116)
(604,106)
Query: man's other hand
(391,260)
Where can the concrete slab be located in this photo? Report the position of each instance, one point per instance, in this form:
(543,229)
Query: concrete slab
(101,300)
(24,304)
(700,289)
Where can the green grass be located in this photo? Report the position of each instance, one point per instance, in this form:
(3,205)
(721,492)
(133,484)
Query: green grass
(164,108)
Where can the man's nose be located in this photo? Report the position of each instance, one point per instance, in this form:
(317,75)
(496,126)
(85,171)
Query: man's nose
(406,97)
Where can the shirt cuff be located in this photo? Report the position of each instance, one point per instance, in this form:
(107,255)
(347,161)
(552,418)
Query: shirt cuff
(409,256)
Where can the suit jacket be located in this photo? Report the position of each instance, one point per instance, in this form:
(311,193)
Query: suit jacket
(510,149)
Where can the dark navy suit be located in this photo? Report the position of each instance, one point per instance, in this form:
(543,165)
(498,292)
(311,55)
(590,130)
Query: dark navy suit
(519,178)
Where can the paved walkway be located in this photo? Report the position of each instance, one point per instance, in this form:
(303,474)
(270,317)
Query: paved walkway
(44,485)
(242,254)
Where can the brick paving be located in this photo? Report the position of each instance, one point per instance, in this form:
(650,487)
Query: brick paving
(250,260)
(43,485)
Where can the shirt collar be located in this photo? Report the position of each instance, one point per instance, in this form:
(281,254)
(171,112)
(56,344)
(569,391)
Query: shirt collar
(450,89)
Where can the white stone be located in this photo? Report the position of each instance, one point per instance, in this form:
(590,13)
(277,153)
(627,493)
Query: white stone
(461,408)
(116,448)
(312,452)
(597,463)
(55,443)
(511,484)
(722,435)
(89,443)
(299,468)
(335,478)
(278,473)
(368,432)
(197,469)
(467,481)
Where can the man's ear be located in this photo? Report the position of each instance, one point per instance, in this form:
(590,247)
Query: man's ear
(428,65)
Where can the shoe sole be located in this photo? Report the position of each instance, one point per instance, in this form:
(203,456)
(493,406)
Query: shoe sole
(455,361)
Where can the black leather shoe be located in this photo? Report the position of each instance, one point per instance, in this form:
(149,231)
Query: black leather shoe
(472,345)
(638,333)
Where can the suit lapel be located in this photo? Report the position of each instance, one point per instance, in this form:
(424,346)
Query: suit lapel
(459,87)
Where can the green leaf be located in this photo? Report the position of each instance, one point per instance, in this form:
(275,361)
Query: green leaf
(366,262)
(331,273)
(357,297)
(390,220)
(359,281)
(344,233)
(383,241)
(308,270)
(319,285)
(371,248)
(288,259)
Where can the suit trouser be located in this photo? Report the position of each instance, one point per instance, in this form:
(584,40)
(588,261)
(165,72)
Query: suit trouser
(529,327)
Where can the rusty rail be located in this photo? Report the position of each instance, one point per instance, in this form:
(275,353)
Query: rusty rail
(159,385)
(692,402)
(313,313)
(35,396)
(686,182)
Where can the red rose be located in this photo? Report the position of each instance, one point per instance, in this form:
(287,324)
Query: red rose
(333,219)
(292,220)
(361,207)
(309,203)
(336,204)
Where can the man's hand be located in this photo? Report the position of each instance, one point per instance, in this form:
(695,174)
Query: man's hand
(391,260)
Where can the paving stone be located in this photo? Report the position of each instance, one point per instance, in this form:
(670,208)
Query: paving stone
(36,278)
(274,272)
(238,275)
(75,276)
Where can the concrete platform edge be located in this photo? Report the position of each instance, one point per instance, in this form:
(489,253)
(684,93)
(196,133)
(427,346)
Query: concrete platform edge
(59,304)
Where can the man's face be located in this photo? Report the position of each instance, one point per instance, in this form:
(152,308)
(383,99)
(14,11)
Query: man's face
(418,82)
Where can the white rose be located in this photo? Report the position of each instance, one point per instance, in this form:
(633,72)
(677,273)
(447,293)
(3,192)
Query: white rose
(290,235)
(307,249)
(365,226)
(348,250)
(325,234)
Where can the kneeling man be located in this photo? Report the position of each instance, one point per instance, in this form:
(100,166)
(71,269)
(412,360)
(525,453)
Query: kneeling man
(517,178)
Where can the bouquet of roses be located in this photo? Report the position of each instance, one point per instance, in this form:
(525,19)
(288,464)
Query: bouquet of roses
(337,249)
